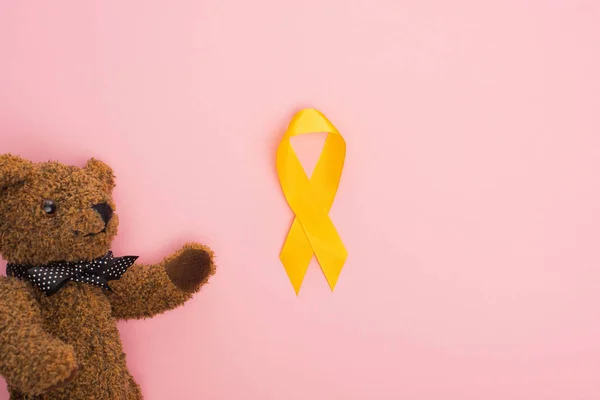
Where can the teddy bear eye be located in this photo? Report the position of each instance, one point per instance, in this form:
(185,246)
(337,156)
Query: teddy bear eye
(49,207)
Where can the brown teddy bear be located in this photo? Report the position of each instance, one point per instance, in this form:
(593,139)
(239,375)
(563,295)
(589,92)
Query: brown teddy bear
(65,291)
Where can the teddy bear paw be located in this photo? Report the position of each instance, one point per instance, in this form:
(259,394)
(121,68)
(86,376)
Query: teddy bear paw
(191,267)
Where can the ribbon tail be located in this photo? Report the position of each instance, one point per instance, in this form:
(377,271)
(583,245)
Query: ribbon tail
(325,242)
(296,255)
(55,287)
(103,283)
(332,262)
(118,267)
(49,284)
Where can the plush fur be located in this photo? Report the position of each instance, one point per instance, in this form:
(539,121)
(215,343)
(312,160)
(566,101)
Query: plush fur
(67,346)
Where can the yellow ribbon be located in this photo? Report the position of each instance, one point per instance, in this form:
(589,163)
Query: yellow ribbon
(312,231)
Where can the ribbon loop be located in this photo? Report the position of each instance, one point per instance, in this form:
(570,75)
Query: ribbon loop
(312,231)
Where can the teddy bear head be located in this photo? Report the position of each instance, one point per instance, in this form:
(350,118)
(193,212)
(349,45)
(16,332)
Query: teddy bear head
(54,212)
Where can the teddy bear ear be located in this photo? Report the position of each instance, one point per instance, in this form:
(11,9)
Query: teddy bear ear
(13,170)
(101,171)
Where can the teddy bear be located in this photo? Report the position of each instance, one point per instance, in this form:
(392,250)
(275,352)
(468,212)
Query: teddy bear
(64,290)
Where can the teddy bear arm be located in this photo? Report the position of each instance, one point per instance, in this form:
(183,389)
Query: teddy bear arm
(144,291)
(147,290)
(32,360)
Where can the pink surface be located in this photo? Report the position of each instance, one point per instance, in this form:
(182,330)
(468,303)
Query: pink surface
(470,201)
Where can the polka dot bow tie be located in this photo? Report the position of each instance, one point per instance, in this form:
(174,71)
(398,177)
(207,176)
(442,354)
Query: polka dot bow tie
(50,278)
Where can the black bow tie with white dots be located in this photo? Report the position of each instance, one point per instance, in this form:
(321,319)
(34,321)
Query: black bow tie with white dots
(50,278)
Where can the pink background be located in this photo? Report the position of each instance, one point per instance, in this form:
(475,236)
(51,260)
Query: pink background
(470,201)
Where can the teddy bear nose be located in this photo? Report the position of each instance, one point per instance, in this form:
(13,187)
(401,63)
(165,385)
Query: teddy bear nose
(104,210)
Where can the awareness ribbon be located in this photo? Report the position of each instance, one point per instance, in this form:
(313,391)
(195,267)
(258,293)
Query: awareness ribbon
(312,231)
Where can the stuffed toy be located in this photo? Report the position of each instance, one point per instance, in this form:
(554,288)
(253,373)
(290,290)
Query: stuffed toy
(65,290)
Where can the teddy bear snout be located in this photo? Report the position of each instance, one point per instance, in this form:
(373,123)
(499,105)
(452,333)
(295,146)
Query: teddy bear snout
(105,211)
